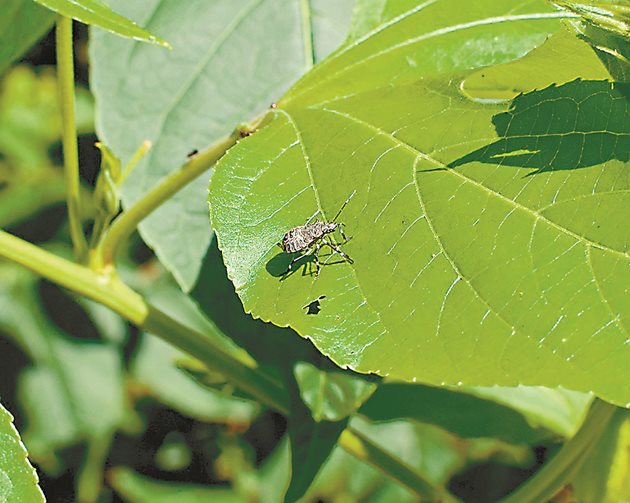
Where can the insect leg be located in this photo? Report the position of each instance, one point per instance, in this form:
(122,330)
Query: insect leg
(312,217)
(344,205)
(295,260)
(318,246)
(343,235)
(336,248)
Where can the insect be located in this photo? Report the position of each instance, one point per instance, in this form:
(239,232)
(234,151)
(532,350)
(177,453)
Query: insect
(308,239)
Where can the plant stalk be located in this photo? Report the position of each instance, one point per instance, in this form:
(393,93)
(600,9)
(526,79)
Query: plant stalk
(128,221)
(364,449)
(559,472)
(65,71)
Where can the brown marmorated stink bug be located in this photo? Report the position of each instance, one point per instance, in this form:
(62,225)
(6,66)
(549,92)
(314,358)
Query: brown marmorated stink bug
(309,238)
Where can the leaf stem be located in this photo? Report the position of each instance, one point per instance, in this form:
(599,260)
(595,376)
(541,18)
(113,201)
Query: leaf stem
(364,449)
(110,291)
(128,221)
(65,71)
(307,34)
(560,471)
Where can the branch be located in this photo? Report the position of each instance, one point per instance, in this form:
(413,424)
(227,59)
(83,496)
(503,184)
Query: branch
(65,71)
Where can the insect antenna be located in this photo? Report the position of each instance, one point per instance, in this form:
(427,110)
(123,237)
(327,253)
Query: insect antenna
(344,205)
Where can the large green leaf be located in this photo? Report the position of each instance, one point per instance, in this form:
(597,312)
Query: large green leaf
(489,236)
(22,22)
(97,13)
(18,479)
(230,61)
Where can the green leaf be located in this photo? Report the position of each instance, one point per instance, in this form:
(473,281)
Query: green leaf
(606,28)
(557,410)
(155,371)
(516,415)
(22,23)
(274,349)
(18,479)
(331,395)
(97,13)
(311,444)
(609,15)
(230,61)
(509,268)
(135,488)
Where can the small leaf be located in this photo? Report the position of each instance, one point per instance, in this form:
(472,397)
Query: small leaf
(557,410)
(331,395)
(21,24)
(154,370)
(96,13)
(18,479)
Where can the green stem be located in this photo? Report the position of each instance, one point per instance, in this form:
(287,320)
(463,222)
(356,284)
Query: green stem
(90,481)
(560,471)
(127,223)
(113,293)
(307,34)
(364,449)
(65,71)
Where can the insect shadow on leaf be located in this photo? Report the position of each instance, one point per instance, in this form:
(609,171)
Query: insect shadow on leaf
(307,240)
(314,307)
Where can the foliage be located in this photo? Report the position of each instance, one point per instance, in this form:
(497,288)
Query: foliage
(18,479)
(476,343)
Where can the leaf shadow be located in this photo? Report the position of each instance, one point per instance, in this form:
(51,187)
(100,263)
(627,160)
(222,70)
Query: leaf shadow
(575,125)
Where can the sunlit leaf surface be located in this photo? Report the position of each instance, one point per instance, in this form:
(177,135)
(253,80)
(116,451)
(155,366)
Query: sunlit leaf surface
(18,479)
(97,13)
(489,234)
